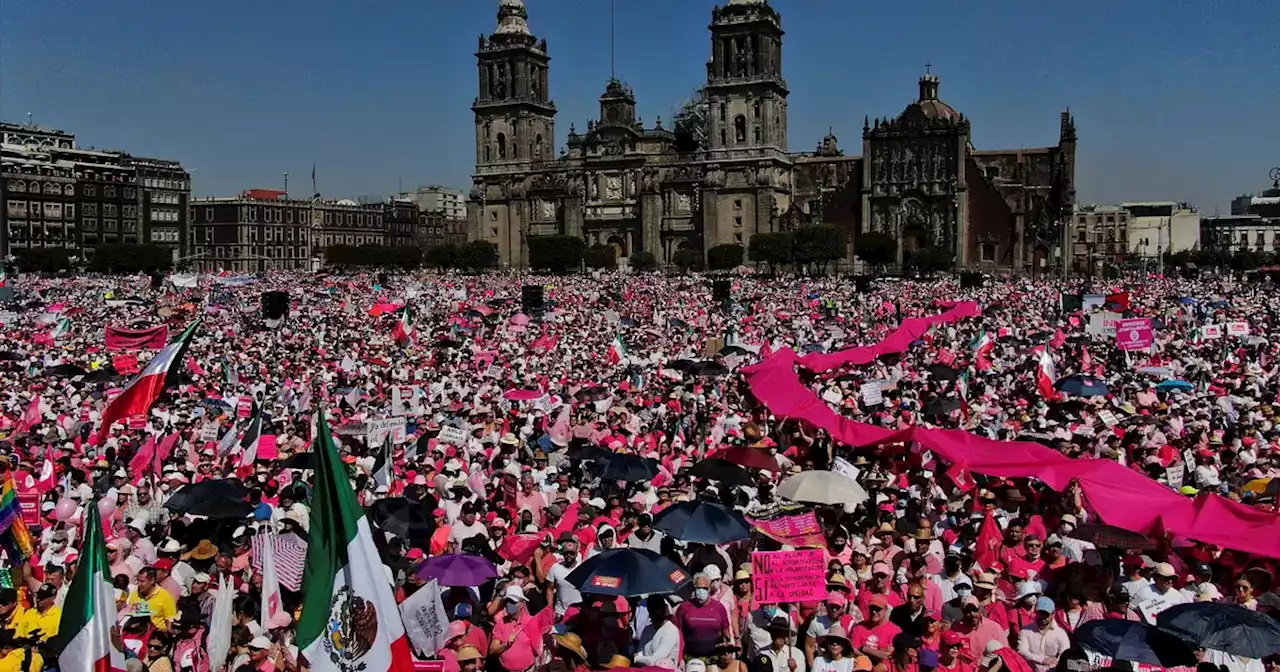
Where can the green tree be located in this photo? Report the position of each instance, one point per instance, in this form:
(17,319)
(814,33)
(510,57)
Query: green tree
(688,259)
(557,254)
(818,245)
(932,260)
(773,249)
(643,262)
(480,255)
(43,259)
(130,258)
(877,248)
(724,257)
(600,256)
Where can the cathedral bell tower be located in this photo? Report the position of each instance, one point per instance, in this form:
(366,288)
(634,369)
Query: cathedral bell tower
(515,118)
(745,89)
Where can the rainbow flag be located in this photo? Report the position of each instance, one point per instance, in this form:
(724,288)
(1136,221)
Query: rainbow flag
(14,536)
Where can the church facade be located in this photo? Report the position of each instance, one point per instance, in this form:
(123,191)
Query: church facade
(639,187)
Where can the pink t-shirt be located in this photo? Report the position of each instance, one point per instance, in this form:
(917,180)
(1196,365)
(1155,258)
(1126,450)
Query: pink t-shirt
(520,656)
(877,637)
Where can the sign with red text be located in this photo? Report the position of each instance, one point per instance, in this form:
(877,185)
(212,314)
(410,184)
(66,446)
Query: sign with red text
(789,524)
(789,576)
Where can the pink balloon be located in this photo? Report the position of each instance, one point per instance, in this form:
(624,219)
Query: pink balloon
(63,511)
(107,507)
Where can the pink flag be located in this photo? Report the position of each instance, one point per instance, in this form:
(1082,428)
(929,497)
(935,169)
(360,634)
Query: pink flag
(31,417)
(142,460)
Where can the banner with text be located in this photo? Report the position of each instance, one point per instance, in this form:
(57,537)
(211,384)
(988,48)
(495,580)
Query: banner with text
(789,576)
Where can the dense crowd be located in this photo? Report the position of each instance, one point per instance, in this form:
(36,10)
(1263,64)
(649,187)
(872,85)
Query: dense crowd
(527,449)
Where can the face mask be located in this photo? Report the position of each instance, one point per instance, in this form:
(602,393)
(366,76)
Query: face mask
(770,611)
(513,608)
(963,592)
(702,594)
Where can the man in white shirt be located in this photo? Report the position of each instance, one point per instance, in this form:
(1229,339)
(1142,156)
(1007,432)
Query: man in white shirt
(785,657)
(1043,642)
(560,592)
(466,527)
(1160,595)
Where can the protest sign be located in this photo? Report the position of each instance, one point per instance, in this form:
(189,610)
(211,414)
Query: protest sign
(1240,329)
(376,431)
(244,407)
(789,524)
(872,393)
(425,620)
(1134,333)
(452,435)
(789,576)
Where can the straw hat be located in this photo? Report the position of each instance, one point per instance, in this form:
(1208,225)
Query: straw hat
(468,653)
(573,643)
(618,660)
(203,550)
(837,634)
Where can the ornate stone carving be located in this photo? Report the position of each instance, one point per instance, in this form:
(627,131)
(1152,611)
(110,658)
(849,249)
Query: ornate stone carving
(613,187)
(548,209)
(649,180)
(683,203)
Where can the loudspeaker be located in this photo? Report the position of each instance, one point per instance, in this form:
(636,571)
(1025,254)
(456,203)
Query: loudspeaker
(862,283)
(721,290)
(156,280)
(970,279)
(275,305)
(382,279)
(531,299)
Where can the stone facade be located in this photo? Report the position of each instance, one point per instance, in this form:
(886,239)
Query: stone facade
(637,187)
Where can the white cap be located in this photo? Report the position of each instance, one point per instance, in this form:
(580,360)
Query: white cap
(259,642)
(713,572)
(514,593)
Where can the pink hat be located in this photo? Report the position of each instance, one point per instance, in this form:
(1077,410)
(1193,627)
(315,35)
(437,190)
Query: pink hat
(881,568)
(837,598)
(457,629)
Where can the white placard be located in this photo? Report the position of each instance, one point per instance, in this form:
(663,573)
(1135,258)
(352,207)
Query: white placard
(843,466)
(404,400)
(542,403)
(209,432)
(8,318)
(494,371)
(1174,475)
(376,431)
(872,393)
(832,396)
(1211,331)
(1238,329)
(1107,417)
(452,435)
(425,620)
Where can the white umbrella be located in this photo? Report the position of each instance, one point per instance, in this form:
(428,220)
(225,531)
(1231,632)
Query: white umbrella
(822,487)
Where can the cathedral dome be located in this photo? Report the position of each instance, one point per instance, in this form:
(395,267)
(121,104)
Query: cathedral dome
(929,104)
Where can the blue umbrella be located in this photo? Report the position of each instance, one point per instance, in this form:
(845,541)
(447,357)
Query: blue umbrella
(1222,627)
(813,347)
(627,322)
(1180,385)
(628,572)
(1135,642)
(1082,386)
(703,523)
(1187,301)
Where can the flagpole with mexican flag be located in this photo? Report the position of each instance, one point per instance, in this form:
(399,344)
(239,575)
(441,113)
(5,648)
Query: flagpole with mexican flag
(89,613)
(404,329)
(617,350)
(143,391)
(349,619)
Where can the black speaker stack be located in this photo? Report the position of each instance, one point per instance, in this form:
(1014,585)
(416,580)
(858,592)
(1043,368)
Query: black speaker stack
(531,299)
(275,305)
(722,290)
(970,279)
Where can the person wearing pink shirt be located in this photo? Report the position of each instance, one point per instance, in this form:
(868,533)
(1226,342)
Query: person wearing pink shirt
(874,636)
(512,643)
(978,628)
(879,586)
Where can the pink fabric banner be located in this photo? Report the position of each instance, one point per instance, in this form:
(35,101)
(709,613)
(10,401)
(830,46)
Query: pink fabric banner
(152,338)
(1121,497)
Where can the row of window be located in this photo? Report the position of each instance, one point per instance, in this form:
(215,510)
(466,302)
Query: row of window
(160,183)
(233,252)
(48,188)
(108,224)
(165,197)
(164,235)
(164,215)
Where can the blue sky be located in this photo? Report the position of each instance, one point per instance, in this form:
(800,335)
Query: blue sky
(1174,99)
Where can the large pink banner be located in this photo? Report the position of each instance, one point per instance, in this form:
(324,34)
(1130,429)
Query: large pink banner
(1122,497)
(1135,333)
(151,338)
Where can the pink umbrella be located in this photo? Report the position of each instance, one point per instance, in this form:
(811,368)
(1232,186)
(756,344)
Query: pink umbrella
(520,319)
(521,395)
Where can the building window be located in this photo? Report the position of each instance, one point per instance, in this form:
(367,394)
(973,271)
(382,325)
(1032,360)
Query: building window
(69,190)
(756,109)
(737,222)
(109,191)
(502,146)
(737,204)
(723,141)
(737,238)
(129,193)
(90,190)
(739,129)
(208,214)
(987,251)
(722,112)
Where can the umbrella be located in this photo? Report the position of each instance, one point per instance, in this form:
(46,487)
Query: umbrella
(457,569)
(813,347)
(724,471)
(65,371)
(1187,301)
(1264,487)
(587,451)
(1156,371)
(942,372)
(734,350)
(447,343)
(628,572)
(703,523)
(682,365)
(1107,536)
(747,456)
(214,498)
(1223,627)
(1135,642)
(1082,386)
(595,393)
(822,487)
(941,405)
(1179,385)
(215,404)
(305,460)
(627,322)
(401,517)
(710,368)
(627,467)
(522,395)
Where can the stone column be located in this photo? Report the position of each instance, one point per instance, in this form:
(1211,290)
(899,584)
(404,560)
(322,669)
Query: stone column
(651,223)
(572,216)
(710,219)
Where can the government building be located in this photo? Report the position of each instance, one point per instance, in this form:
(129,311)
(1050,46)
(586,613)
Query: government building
(638,187)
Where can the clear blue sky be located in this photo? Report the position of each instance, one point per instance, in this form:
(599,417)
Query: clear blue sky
(1174,99)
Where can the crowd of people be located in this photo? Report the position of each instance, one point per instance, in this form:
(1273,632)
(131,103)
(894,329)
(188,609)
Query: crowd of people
(511,450)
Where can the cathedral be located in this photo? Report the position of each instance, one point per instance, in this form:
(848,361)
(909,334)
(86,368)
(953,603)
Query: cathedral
(638,187)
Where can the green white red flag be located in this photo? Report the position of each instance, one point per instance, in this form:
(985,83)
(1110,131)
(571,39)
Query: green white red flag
(143,391)
(89,613)
(349,619)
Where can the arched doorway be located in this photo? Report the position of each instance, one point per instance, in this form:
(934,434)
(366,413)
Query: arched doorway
(619,246)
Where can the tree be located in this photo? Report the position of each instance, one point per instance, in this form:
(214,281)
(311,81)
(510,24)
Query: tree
(724,257)
(600,256)
(773,249)
(130,258)
(688,259)
(932,260)
(477,255)
(557,254)
(818,245)
(643,262)
(43,259)
(877,248)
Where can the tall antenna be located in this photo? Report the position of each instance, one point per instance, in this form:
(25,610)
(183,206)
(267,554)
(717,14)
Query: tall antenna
(613,70)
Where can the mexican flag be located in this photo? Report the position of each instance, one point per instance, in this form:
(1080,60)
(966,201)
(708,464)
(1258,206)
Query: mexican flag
(982,345)
(617,350)
(404,330)
(62,328)
(1046,375)
(143,391)
(349,619)
(252,435)
(89,613)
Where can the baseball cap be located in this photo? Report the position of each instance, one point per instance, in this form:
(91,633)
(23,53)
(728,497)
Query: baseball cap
(881,568)
(837,598)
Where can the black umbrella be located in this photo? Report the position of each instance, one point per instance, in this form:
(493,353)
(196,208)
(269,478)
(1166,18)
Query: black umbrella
(724,471)
(595,393)
(628,572)
(1222,627)
(65,371)
(214,498)
(941,405)
(586,451)
(1134,641)
(11,356)
(681,365)
(710,368)
(702,522)
(305,460)
(942,372)
(402,517)
(446,343)
(734,350)
(1107,536)
(627,467)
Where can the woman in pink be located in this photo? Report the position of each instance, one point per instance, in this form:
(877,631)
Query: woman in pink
(449,654)
(953,656)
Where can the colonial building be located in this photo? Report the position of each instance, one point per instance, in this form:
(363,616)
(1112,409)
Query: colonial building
(56,194)
(636,186)
(263,229)
(622,182)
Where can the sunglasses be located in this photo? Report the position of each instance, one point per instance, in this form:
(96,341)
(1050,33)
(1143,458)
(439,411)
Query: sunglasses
(915,597)
(875,609)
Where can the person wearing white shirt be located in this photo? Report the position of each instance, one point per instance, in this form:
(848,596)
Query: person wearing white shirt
(1043,642)
(466,527)
(560,592)
(659,642)
(1161,594)
(785,656)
